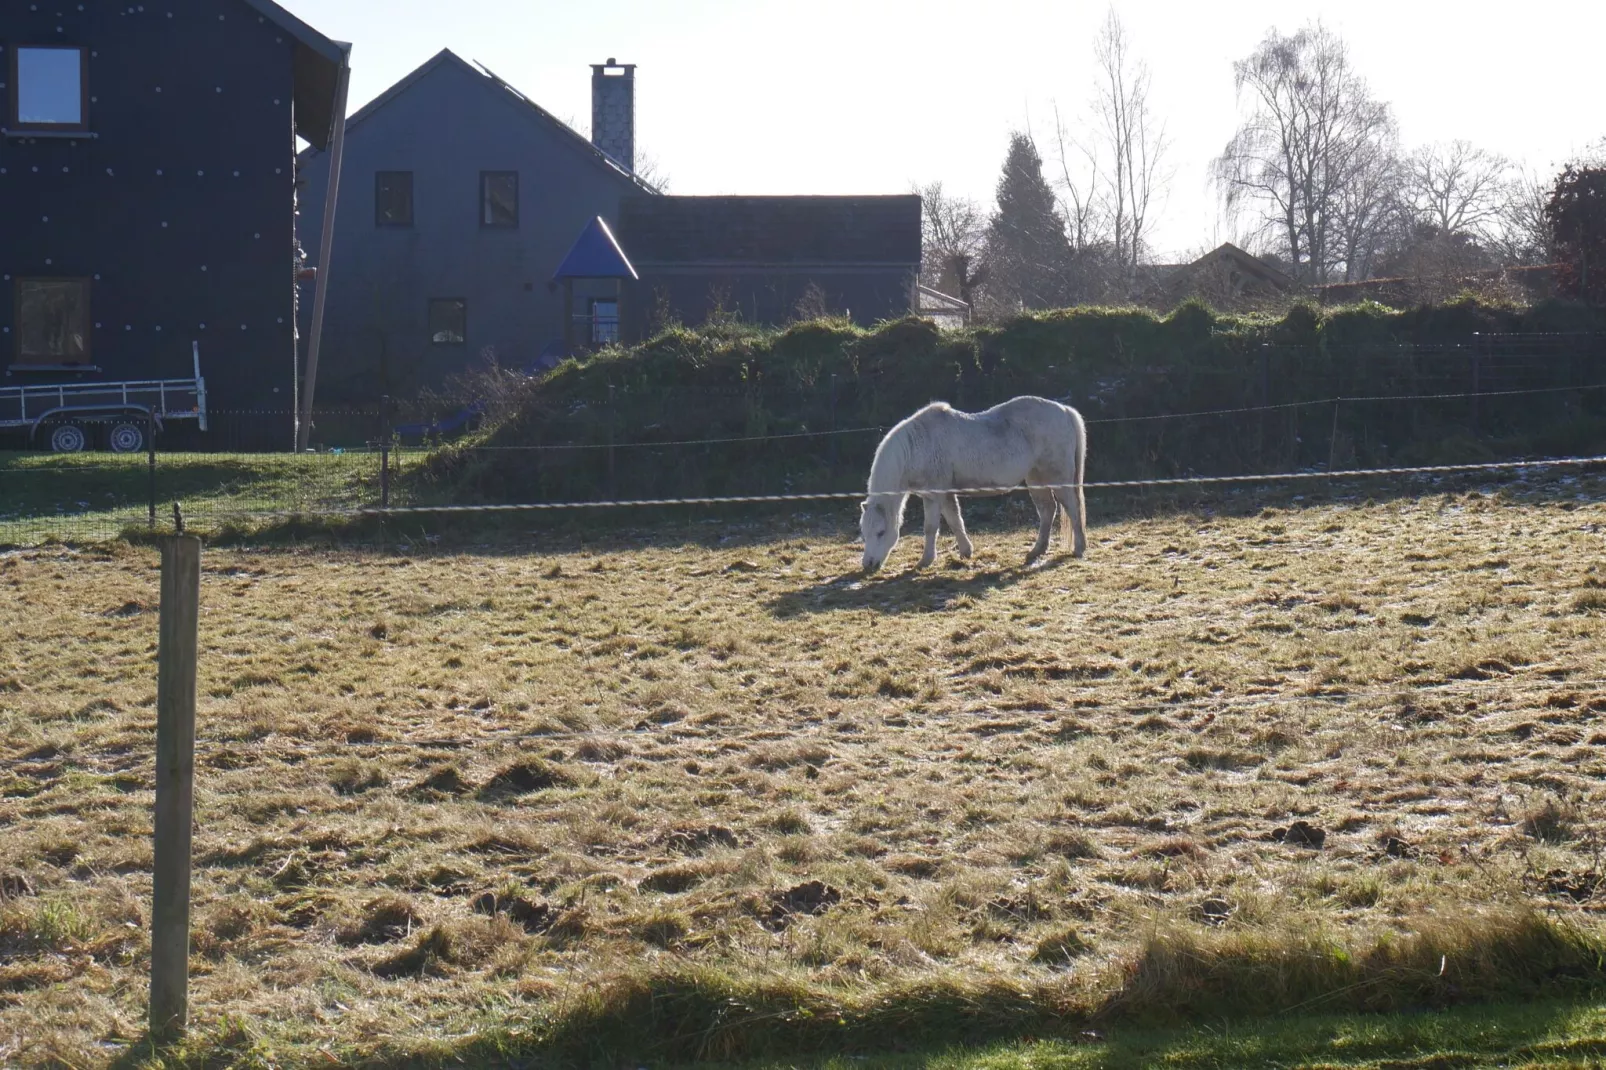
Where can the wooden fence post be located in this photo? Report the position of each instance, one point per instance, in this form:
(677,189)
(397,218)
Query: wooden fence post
(612,488)
(833,423)
(1477,384)
(1265,401)
(150,465)
(175,785)
(384,451)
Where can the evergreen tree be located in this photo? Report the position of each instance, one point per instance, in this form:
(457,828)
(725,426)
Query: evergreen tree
(1576,214)
(1028,255)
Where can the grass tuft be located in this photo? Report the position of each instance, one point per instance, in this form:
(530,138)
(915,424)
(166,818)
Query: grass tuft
(522,778)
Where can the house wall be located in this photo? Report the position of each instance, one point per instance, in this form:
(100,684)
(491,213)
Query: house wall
(180,208)
(447,127)
(766,296)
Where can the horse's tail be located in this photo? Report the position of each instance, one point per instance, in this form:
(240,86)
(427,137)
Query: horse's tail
(1073,526)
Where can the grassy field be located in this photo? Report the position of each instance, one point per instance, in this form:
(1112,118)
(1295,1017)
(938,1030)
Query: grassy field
(89,496)
(707,794)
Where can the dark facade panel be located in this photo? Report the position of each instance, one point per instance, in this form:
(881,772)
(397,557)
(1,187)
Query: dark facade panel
(177,203)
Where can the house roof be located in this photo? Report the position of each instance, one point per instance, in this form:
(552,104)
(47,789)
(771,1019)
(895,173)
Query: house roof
(772,230)
(936,301)
(447,58)
(317,72)
(595,255)
(1176,281)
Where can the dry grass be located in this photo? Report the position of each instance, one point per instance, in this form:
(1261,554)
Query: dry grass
(439,795)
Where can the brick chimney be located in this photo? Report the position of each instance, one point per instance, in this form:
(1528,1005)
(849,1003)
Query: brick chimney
(613,111)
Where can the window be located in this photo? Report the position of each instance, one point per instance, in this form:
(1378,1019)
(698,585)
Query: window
(448,321)
(393,198)
(604,321)
(52,322)
(499,198)
(48,88)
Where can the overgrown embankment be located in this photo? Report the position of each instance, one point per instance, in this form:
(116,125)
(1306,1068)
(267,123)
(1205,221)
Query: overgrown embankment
(1136,376)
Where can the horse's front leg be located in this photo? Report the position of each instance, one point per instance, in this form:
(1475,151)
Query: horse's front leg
(956,524)
(933,524)
(1046,506)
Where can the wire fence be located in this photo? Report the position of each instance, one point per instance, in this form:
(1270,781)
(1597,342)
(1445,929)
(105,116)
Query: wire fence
(1510,402)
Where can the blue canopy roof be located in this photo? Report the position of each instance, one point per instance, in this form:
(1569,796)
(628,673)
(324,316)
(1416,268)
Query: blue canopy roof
(596,255)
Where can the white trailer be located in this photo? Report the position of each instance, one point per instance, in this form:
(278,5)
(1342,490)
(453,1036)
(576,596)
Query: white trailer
(69,417)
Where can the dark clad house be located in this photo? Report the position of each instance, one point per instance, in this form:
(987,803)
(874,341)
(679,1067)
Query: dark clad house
(147,197)
(769,259)
(459,197)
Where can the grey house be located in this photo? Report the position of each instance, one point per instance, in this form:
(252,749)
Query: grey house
(459,198)
(472,223)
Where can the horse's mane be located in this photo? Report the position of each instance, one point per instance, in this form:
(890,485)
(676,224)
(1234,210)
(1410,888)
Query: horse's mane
(892,457)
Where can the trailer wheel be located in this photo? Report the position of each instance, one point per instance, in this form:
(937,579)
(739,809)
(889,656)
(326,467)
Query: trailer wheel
(68,438)
(126,437)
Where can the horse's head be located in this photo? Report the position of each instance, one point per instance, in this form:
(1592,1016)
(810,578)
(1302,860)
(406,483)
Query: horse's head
(878,524)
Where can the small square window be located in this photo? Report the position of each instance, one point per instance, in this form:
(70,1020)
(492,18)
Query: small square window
(52,322)
(499,198)
(604,321)
(448,321)
(393,198)
(49,85)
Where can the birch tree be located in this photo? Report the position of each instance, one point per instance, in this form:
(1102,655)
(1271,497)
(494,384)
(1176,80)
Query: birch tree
(1312,137)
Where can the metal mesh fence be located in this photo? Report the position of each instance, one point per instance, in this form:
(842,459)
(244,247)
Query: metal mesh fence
(1287,409)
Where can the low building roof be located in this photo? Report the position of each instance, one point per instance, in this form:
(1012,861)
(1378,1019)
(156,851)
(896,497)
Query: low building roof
(778,231)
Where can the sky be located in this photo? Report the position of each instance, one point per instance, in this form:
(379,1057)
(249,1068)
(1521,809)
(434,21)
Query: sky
(876,96)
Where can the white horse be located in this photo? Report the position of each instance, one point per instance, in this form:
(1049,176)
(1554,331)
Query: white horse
(1024,440)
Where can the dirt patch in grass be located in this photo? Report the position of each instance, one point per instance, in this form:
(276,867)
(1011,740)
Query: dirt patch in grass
(796,787)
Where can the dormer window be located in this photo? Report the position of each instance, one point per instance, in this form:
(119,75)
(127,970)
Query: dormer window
(49,88)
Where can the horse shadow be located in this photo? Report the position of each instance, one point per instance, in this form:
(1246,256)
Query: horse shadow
(930,590)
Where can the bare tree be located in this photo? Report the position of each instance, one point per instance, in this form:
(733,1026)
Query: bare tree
(1093,271)
(1367,210)
(1521,235)
(1134,141)
(1085,223)
(1457,187)
(1111,171)
(651,171)
(1313,136)
(953,236)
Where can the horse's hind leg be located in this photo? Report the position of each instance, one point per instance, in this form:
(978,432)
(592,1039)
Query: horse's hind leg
(1075,532)
(956,524)
(933,524)
(1046,508)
